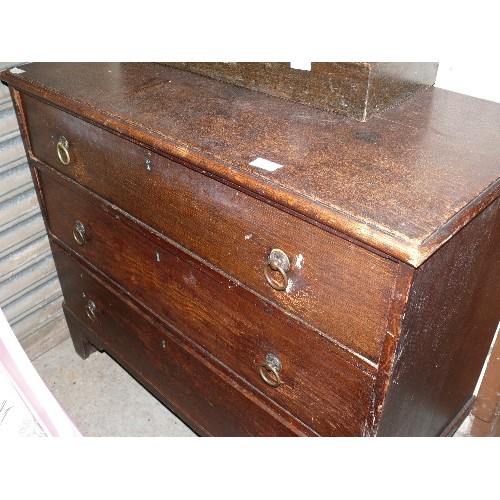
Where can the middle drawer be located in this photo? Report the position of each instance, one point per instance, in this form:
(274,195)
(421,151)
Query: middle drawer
(320,385)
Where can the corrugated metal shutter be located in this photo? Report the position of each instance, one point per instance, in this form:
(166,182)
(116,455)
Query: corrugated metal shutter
(30,294)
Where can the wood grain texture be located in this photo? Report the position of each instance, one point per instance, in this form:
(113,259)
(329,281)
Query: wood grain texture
(231,230)
(320,384)
(356,90)
(453,312)
(205,396)
(403,183)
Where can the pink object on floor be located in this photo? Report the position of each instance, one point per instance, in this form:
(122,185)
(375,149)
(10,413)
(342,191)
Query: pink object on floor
(27,407)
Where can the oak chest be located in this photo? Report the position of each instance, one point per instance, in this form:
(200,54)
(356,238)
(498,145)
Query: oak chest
(266,268)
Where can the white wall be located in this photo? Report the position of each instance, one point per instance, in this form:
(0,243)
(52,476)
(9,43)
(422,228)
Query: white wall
(472,78)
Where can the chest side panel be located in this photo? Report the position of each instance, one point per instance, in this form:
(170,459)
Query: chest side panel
(452,315)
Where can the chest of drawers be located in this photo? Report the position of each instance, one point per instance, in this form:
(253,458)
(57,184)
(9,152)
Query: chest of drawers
(350,290)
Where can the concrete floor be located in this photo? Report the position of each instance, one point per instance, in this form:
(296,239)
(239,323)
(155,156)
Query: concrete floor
(102,399)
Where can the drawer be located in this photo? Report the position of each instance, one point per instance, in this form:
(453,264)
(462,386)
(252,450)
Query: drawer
(320,383)
(175,373)
(329,277)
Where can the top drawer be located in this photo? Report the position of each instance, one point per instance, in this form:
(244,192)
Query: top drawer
(340,288)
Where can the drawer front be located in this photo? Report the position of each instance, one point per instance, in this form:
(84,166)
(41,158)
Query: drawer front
(329,278)
(320,386)
(207,399)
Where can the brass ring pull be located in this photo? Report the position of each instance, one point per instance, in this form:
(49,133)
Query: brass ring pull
(63,150)
(79,233)
(272,365)
(277,261)
(91,310)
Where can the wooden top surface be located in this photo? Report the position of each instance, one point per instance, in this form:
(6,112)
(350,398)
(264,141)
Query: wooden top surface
(403,182)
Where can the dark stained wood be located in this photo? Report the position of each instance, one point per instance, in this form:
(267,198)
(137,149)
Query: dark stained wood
(319,386)
(229,229)
(79,337)
(356,90)
(391,83)
(452,315)
(399,305)
(184,379)
(396,182)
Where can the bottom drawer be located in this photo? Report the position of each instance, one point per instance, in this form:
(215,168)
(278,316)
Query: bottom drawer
(207,398)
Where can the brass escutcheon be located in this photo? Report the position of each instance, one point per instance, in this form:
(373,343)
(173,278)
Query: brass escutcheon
(277,261)
(63,150)
(272,365)
(91,310)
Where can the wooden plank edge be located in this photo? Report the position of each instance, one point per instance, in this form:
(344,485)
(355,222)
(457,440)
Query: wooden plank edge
(400,296)
(457,421)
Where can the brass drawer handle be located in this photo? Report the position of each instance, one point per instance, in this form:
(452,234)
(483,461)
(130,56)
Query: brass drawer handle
(91,310)
(63,150)
(79,233)
(277,261)
(271,366)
